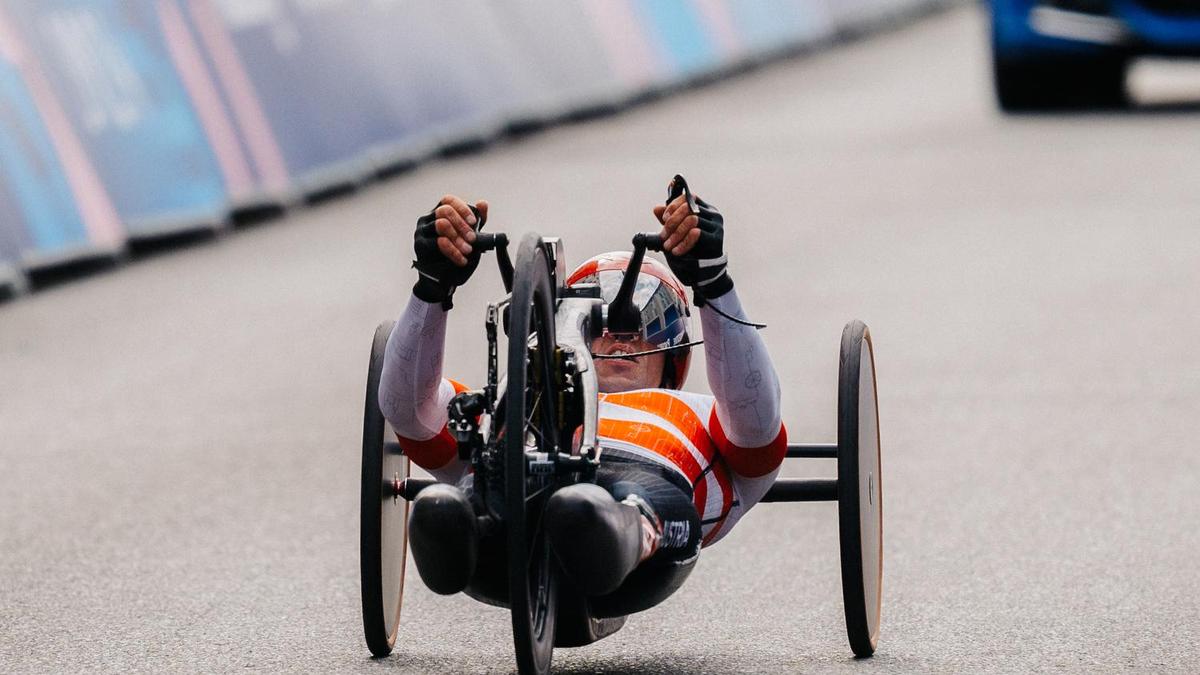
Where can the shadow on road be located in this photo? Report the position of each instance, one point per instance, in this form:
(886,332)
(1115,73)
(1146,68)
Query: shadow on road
(1180,107)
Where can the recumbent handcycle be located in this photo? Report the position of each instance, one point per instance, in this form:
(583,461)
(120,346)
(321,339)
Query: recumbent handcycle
(518,434)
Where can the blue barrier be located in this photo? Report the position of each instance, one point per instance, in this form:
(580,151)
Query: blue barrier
(107,62)
(558,47)
(310,69)
(33,188)
(11,242)
(771,25)
(226,105)
(681,35)
(446,76)
(52,206)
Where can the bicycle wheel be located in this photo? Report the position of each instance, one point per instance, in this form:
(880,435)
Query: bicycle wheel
(860,490)
(383,538)
(530,427)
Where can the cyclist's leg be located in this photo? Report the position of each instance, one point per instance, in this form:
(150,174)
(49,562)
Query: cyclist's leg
(678,522)
(663,573)
(452,550)
(443,534)
(599,531)
(597,539)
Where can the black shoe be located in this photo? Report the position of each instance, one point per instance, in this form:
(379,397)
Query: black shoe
(597,540)
(444,537)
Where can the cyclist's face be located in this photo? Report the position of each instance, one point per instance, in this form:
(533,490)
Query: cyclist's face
(643,372)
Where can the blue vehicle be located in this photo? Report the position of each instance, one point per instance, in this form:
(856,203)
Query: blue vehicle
(1073,53)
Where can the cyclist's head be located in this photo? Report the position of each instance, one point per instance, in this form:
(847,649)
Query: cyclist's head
(664,308)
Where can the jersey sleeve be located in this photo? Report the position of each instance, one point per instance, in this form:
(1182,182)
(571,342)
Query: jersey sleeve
(746,422)
(414,396)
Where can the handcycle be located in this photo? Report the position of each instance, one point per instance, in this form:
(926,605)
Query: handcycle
(534,430)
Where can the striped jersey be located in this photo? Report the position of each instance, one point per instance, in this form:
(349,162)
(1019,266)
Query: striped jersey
(680,431)
(676,430)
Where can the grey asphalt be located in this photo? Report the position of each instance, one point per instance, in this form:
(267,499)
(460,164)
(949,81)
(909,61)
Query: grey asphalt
(179,438)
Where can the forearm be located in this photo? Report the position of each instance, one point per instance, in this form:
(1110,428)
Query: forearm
(741,375)
(411,385)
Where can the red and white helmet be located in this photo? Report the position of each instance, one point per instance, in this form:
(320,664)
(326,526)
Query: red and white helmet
(660,298)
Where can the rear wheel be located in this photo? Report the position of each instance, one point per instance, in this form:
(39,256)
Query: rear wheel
(530,427)
(1027,85)
(860,490)
(383,538)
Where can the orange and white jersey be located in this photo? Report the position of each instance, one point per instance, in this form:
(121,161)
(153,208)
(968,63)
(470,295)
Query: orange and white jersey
(681,432)
(686,434)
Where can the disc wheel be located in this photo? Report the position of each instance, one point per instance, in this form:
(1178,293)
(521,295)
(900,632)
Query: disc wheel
(860,490)
(530,427)
(383,539)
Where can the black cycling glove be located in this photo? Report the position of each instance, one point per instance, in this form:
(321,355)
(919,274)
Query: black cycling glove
(703,267)
(439,276)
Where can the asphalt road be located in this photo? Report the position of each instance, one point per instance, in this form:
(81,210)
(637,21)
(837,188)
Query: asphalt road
(179,438)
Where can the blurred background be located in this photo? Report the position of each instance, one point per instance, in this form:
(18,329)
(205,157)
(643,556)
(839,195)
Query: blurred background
(127,122)
(206,207)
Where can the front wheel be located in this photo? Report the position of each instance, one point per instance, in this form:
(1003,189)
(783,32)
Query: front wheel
(530,427)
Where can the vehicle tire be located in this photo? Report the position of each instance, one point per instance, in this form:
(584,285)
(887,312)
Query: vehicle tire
(1059,83)
(530,425)
(860,490)
(383,537)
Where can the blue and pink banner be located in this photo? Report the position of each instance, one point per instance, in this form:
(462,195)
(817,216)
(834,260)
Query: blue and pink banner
(52,200)
(108,63)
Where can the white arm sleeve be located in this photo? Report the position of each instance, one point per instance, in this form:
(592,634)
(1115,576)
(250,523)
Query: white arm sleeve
(412,394)
(741,375)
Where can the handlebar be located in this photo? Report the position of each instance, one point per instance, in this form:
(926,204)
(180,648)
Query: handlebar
(486,241)
(623,317)
(646,240)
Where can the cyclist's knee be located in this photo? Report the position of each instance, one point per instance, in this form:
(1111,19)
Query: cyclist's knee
(584,506)
(596,539)
(676,513)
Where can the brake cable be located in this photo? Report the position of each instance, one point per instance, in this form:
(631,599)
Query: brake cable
(756,326)
(693,343)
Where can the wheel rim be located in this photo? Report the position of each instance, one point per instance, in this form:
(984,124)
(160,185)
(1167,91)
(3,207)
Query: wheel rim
(870,491)
(393,529)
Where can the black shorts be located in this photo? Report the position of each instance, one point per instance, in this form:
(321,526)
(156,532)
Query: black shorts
(651,582)
(667,493)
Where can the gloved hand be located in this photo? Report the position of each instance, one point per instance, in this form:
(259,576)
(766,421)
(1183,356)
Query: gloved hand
(693,242)
(445,258)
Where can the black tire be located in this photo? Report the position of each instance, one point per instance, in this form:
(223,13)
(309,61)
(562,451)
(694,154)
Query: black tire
(1059,83)
(533,574)
(860,490)
(383,537)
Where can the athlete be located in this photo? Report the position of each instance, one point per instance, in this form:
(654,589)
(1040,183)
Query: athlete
(678,469)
